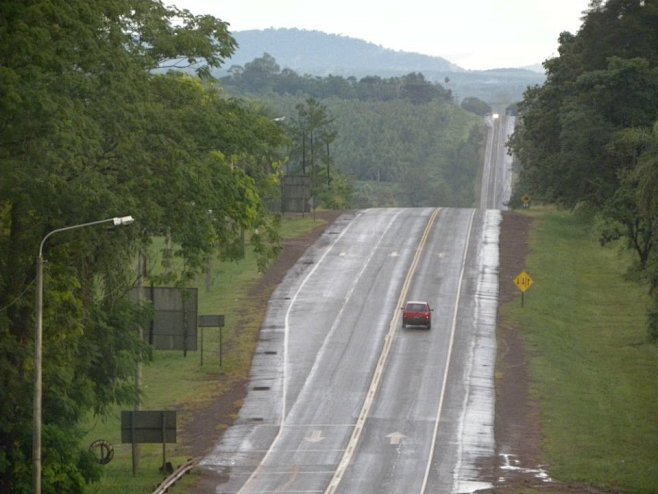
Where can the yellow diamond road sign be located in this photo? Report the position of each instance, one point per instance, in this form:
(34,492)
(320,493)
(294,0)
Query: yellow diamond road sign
(523,281)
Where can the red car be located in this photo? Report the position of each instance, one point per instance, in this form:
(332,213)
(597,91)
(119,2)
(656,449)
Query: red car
(417,313)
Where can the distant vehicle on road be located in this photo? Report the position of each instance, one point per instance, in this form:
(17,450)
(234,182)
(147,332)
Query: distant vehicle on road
(417,313)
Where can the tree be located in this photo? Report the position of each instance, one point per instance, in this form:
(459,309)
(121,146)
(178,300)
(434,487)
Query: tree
(88,132)
(416,89)
(647,172)
(622,28)
(622,220)
(311,129)
(259,74)
(476,105)
(584,136)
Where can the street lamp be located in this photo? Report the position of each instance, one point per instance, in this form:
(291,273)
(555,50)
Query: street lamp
(36,418)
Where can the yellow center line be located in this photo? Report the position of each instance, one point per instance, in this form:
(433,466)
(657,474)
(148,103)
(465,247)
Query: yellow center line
(381,363)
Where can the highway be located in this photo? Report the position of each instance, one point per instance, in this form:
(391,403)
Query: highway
(496,187)
(342,399)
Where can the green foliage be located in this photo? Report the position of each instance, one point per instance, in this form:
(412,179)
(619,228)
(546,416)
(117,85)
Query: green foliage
(426,154)
(621,219)
(90,131)
(312,133)
(337,192)
(477,106)
(388,148)
(66,468)
(585,136)
(647,172)
(263,75)
(403,131)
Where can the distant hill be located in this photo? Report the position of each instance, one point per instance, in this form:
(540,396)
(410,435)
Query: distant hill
(318,53)
(535,68)
(321,54)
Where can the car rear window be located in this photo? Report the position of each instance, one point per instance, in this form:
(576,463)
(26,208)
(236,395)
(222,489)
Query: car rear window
(417,307)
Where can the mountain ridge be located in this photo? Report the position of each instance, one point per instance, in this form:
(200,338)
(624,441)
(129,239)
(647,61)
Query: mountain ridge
(320,53)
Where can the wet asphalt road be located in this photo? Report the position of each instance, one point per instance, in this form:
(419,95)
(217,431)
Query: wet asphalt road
(342,398)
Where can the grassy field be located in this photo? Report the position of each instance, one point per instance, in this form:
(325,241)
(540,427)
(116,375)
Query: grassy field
(593,369)
(172,380)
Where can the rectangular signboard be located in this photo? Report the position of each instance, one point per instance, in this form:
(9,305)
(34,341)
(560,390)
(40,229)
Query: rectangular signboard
(211,321)
(174,325)
(295,194)
(148,426)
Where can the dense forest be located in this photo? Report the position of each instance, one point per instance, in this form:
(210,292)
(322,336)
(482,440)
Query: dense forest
(400,141)
(587,139)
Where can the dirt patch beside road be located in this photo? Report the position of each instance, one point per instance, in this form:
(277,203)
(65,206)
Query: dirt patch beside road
(518,431)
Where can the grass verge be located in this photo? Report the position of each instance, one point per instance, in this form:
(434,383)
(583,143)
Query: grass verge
(593,369)
(172,381)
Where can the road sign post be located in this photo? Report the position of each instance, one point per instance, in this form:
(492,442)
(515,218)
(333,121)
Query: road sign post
(211,321)
(523,282)
(149,427)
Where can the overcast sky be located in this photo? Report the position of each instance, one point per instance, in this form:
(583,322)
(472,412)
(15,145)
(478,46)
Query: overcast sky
(475,34)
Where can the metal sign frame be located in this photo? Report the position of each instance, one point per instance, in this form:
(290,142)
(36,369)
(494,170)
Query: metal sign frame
(174,324)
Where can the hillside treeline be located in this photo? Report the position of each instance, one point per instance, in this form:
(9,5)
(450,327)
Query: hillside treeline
(588,137)
(409,155)
(263,75)
(399,141)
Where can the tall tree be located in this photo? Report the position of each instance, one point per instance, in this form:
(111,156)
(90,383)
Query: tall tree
(87,132)
(583,135)
(312,134)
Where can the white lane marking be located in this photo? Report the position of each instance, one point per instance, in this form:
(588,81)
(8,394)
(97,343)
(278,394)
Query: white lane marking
(476,422)
(256,471)
(331,331)
(355,281)
(315,436)
(379,369)
(448,358)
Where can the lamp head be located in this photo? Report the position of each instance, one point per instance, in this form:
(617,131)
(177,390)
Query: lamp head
(123,220)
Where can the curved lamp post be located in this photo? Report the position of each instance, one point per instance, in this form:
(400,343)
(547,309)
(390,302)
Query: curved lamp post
(36,418)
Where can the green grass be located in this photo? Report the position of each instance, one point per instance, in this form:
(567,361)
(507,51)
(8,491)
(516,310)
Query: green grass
(173,381)
(592,365)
